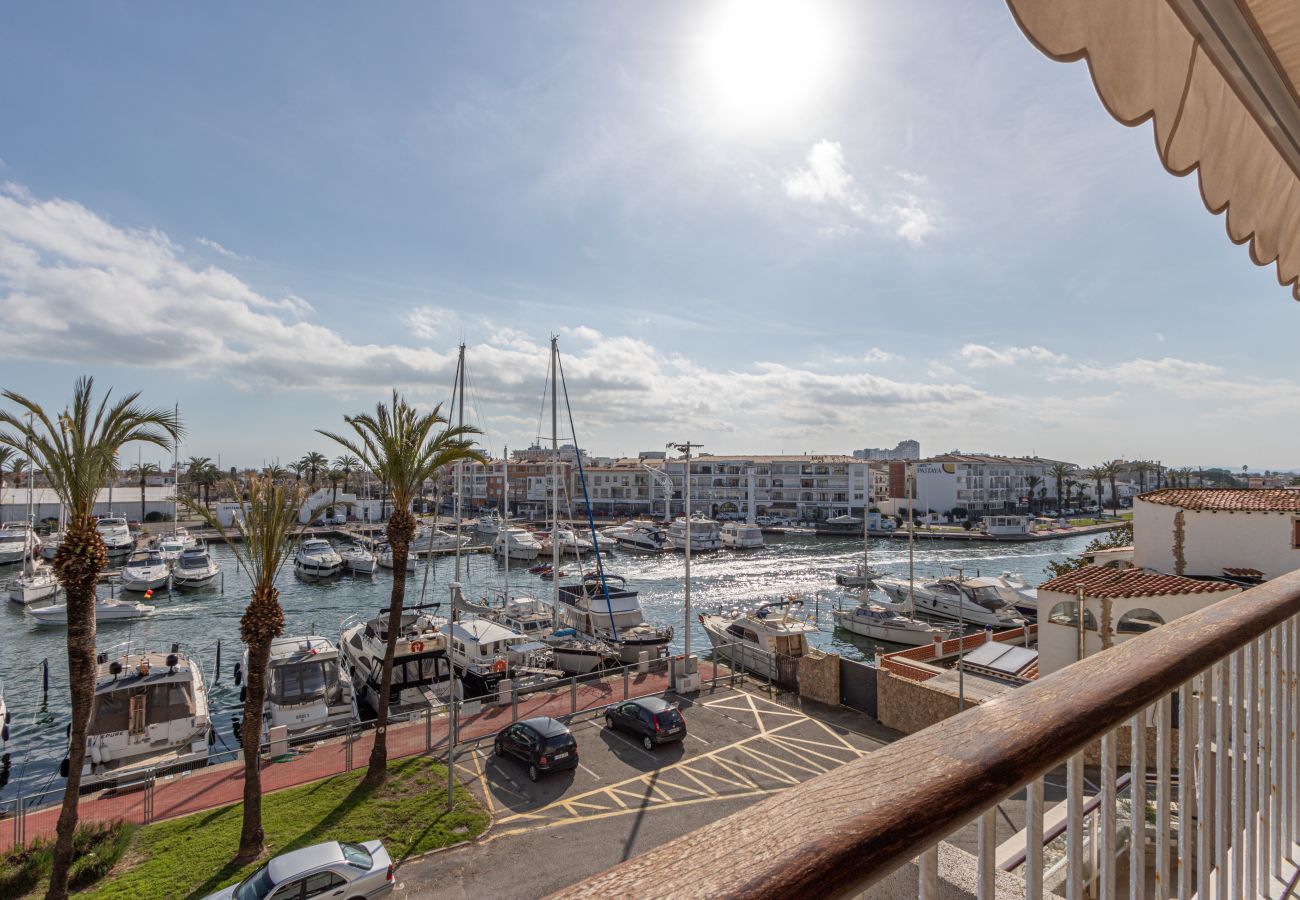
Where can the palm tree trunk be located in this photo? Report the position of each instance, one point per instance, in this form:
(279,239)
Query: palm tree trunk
(78,562)
(141,501)
(401,528)
(1114,499)
(263,620)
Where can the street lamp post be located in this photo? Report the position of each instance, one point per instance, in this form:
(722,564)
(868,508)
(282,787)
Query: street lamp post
(686,449)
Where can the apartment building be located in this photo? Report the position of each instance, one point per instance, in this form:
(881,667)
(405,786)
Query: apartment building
(904,450)
(980,484)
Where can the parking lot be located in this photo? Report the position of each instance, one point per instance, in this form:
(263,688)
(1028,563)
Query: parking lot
(622,799)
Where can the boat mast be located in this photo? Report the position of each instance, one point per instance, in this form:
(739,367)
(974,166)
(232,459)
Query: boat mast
(458,394)
(866,533)
(176,475)
(555,493)
(911,537)
(29,552)
(453,720)
(503,531)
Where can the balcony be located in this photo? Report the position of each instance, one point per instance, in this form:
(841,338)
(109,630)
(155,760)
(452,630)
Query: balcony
(1204,709)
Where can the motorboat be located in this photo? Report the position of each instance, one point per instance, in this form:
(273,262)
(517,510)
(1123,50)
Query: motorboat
(969,600)
(145,571)
(854,576)
(1019,594)
(170,547)
(516,543)
(484,652)
(527,616)
(306,690)
(359,561)
(36,582)
(489,523)
(116,535)
(580,654)
(17,542)
(840,525)
(150,713)
(50,545)
(317,559)
(872,620)
(571,543)
(432,540)
(601,606)
(706,534)
(768,640)
(739,536)
(421,668)
(645,537)
(384,557)
(107,609)
(195,568)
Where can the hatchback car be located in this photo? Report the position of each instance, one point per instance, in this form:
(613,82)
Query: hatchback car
(333,869)
(542,744)
(654,720)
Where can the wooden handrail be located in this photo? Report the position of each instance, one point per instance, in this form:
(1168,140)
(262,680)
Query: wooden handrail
(840,832)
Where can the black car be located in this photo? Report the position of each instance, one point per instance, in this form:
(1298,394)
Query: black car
(653,719)
(543,744)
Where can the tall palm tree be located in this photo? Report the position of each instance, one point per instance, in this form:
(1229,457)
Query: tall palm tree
(1141,468)
(194,467)
(1071,485)
(1032,482)
(347,464)
(278,473)
(17,468)
(334,476)
(142,472)
(6,454)
(77,449)
(262,542)
(1060,472)
(298,468)
(314,463)
(1097,474)
(1113,470)
(402,447)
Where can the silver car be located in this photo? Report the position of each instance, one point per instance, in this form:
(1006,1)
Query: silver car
(336,869)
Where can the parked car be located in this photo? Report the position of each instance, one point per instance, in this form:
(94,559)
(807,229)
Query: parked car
(542,744)
(654,720)
(335,868)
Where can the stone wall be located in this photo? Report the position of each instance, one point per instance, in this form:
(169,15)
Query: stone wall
(819,677)
(910,706)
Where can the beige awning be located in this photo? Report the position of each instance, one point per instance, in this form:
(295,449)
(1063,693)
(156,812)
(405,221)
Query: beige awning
(1220,78)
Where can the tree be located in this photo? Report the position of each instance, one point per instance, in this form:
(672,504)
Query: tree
(1141,468)
(6,454)
(265,533)
(314,463)
(299,468)
(402,447)
(17,466)
(1112,470)
(205,478)
(1071,485)
(142,472)
(1060,472)
(334,476)
(77,450)
(347,464)
(1120,537)
(1097,474)
(278,473)
(1032,482)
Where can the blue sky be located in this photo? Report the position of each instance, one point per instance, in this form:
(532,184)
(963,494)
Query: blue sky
(800,227)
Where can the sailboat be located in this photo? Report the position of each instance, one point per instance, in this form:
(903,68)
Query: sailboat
(859,575)
(36,581)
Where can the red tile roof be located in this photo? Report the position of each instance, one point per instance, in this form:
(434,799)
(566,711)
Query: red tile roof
(1243,573)
(1228,500)
(1106,581)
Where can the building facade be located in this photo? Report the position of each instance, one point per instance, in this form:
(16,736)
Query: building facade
(904,450)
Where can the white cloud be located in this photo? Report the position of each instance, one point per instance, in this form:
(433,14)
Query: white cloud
(941,370)
(876,355)
(913,222)
(982,356)
(825,180)
(1167,372)
(213,245)
(433,323)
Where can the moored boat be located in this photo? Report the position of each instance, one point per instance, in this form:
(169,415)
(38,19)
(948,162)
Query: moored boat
(195,568)
(359,561)
(146,571)
(421,668)
(317,559)
(306,689)
(741,536)
(706,534)
(869,619)
(107,609)
(767,640)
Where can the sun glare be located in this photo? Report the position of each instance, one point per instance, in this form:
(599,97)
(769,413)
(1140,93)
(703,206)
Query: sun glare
(765,61)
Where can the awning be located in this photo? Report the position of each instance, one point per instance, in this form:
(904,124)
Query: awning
(1220,78)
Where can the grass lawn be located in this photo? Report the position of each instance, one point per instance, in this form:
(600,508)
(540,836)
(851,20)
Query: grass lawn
(190,856)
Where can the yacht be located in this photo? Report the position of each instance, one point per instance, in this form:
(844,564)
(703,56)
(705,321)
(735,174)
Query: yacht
(739,536)
(706,534)
(384,556)
(571,543)
(840,525)
(146,571)
(150,714)
(645,537)
(872,620)
(489,523)
(17,542)
(116,535)
(602,607)
(854,576)
(969,600)
(421,668)
(170,548)
(517,543)
(484,652)
(428,540)
(195,568)
(36,582)
(1019,594)
(579,654)
(359,561)
(758,640)
(317,559)
(527,616)
(306,690)
(107,609)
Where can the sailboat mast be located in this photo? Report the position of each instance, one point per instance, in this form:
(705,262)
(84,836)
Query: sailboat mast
(503,532)
(176,473)
(458,397)
(911,537)
(555,492)
(29,552)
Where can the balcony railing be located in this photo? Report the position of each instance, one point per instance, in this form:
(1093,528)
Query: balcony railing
(1220,813)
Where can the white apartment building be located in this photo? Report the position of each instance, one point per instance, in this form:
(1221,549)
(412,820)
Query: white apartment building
(979,484)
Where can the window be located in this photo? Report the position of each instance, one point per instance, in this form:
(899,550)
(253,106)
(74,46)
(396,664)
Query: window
(321,883)
(356,855)
(292,889)
(1137,621)
(1067,613)
(301,683)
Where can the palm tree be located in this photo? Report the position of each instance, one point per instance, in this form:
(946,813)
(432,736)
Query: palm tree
(17,466)
(1113,470)
(1032,482)
(264,533)
(77,449)
(278,473)
(334,476)
(402,447)
(314,463)
(204,478)
(194,467)
(347,464)
(6,454)
(1141,468)
(143,471)
(1097,474)
(1060,472)
(1071,485)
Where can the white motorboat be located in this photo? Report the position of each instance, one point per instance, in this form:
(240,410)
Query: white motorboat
(739,536)
(1019,594)
(484,652)
(170,548)
(421,668)
(36,582)
(854,576)
(840,525)
(317,559)
(432,540)
(50,545)
(384,556)
(489,523)
(579,654)
(603,608)
(150,713)
(527,616)
(571,543)
(966,600)
(706,534)
(116,535)
(195,568)
(18,541)
(517,543)
(359,561)
(306,690)
(146,571)
(645,537)
(768,640)
(872,620)
(107,609)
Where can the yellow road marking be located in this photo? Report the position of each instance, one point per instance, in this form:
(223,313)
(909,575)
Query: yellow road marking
(783,740)
(809,768)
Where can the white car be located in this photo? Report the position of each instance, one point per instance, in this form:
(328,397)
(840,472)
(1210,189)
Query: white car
(335,868)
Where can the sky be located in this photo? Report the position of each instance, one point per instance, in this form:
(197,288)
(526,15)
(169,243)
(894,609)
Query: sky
(762,226)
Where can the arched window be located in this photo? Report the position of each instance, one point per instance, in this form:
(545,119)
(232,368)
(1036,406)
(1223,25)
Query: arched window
(1067,613)
(1138,621)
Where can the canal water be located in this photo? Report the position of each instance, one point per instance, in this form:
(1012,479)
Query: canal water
(801,564)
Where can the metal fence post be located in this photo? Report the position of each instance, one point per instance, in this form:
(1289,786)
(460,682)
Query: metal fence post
(514,704)
(428,728)
(573,694)
(347,752)
(625,683)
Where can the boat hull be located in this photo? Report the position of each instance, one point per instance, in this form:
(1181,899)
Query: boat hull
(739,654)
(911,637)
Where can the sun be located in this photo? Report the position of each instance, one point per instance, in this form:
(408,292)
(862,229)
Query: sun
(765,62)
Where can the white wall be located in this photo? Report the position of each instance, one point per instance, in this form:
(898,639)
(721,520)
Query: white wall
(1214,540)
(935,489)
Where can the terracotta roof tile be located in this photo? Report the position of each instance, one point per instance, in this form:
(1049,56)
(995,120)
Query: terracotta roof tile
(1242,573)
(1227,500)
(1105,581)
